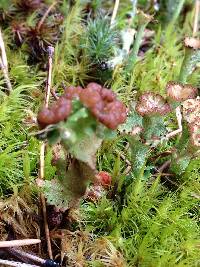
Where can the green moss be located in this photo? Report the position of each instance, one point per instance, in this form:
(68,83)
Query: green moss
(157,228)
(153,222)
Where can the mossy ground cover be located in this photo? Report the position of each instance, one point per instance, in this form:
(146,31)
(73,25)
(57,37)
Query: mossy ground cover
(149,214)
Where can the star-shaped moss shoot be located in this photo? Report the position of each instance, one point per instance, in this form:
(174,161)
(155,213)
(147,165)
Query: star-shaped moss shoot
(180,92)
(152,104)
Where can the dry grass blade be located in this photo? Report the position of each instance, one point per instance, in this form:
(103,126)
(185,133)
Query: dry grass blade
(114,14)
(196,17)
(42,152)
(19,243)
(45,15)
(4,63)
(15,264)
(16,213)
(20,254)
(3,51)
(48,87)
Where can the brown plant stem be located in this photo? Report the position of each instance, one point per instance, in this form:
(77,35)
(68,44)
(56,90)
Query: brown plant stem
(163,174)
(45,15)
(15,264)
(161,154)
(165,165)
(22,255)
(53,93)
(42,152)
(166,175)
(4,63)
(129,166)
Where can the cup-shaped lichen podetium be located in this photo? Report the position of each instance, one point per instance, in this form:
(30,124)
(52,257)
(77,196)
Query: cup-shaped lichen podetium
(152,104)
(192,57)
(180,92)
(191,110)
(191,114)
(152,107)
(195,134)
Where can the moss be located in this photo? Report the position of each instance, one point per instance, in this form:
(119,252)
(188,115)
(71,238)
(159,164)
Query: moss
(152,219)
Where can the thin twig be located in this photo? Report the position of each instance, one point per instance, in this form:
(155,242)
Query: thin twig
(48,86)
(163,154)
(171,181)
(42,152)
(6,77)
(16,264)
(127,170)
(45,15)
(114,14)
(53,93)
(169,135)
(196,17)
(165,165)
(163,174)
(47,233)
(179,117)
(18,243)
(21,255)
(125,159)
(4,63)
(166,175)
(179,120)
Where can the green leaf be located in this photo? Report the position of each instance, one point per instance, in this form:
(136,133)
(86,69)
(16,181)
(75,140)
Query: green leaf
(79,126)
(86,149)
(154,127)
(133,120)
(189,63)
(49,170)
(184,139)
(178,166)
(105,133)
(53,136)
(139,153)
(81,113)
